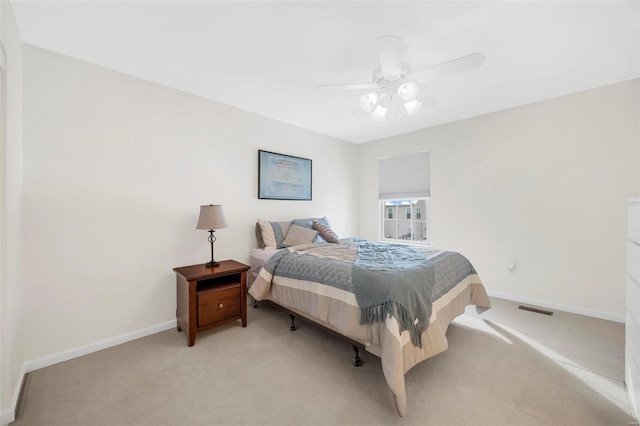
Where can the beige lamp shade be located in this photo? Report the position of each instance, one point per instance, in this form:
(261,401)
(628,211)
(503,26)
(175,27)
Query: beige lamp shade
(211,217)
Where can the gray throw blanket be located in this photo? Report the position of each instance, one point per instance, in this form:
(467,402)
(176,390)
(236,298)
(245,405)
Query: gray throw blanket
(397,280)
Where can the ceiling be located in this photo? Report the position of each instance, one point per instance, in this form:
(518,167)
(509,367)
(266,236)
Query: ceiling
(266,57)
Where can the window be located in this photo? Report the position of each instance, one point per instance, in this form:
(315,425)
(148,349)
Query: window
(411,229)
(404,194)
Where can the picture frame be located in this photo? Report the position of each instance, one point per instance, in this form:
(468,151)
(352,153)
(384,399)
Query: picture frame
(284,177)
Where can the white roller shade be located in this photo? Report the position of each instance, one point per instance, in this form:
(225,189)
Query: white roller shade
(404,177)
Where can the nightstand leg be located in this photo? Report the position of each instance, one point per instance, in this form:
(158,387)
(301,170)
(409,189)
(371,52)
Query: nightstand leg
(192,340)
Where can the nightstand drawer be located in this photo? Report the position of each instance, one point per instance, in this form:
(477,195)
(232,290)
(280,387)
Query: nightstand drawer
(218,304)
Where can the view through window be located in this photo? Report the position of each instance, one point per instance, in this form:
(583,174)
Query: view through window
(405,220)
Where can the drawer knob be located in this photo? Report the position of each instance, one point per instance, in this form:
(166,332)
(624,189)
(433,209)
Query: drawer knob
(220,305)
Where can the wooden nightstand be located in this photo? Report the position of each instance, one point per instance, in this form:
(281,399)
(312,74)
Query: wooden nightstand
(210,296)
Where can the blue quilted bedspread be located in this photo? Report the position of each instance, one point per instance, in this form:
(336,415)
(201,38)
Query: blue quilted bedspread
(387,279)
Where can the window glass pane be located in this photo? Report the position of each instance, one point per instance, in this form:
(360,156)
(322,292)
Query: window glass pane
(405,220)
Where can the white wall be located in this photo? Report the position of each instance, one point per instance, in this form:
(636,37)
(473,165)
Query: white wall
(11,281)
(543,185)
(115,171)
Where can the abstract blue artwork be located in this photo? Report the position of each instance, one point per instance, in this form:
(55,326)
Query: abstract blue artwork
(283,177)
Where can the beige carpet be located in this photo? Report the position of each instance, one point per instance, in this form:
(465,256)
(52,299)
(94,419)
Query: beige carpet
(505,367)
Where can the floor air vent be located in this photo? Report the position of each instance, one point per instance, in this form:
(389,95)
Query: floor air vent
(537,311)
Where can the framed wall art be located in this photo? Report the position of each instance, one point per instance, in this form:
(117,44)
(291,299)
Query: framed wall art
(283,177)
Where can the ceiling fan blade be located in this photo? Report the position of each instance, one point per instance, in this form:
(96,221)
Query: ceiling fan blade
(358,111)
(357,86)
(427,101)
(454,66)
(390,54)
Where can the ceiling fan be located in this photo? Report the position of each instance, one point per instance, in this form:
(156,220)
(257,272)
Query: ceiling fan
(395,90)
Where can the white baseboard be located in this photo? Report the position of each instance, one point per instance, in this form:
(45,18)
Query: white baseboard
(559,307)
(9,415)
(46,361)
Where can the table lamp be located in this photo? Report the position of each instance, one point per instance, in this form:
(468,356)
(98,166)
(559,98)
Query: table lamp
(211,218)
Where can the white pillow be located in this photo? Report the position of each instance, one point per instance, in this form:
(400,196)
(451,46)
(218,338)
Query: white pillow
(273,233)
(298,235)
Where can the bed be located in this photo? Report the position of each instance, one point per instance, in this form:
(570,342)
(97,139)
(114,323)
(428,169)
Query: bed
(343,285)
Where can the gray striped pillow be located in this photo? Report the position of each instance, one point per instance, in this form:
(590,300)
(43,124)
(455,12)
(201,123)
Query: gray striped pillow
(325,232)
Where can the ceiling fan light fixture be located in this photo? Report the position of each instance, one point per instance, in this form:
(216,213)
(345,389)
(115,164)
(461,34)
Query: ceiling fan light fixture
(412,106)
(395,89)
(368,101)
(380,113)
(408,90)
(385,99)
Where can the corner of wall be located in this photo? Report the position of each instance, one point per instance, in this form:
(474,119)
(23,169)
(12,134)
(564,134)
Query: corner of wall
(12,366)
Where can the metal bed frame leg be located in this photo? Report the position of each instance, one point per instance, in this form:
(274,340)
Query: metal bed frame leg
(255,303)
(357,362)
(293,326)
